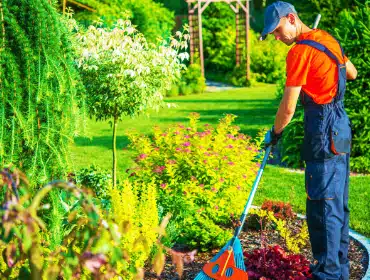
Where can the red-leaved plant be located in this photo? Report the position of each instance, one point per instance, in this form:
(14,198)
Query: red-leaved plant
(274,263)
(281,209)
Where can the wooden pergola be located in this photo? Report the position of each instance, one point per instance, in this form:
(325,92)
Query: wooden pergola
(241,10)
(77,4)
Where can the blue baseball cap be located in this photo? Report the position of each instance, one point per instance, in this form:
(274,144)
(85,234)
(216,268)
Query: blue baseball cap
(273,14)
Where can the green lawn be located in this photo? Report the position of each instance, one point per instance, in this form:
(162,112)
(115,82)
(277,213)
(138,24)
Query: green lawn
(255,108)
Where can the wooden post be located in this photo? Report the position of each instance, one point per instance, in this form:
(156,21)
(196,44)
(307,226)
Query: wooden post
(190,18)
(237,53)
(64,6)
(200,36)
(247,41)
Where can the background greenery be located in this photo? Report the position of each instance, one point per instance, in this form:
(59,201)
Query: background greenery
(256,108)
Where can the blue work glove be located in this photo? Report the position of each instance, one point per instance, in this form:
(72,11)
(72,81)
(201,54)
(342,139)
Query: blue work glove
(271,138)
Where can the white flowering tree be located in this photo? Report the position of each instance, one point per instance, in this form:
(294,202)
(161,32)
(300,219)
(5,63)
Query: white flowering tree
(124,75)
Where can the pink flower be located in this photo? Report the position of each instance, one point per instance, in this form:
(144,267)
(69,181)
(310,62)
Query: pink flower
(176,133)
(159,169)
(186,144)
(187,150)
(207,154)
(163,186)
(231,163)
(214,189)
(222,180)
(225,158)
(194,178)
(230,146)
(244,176)
(230,136)
(238,187)
(187,136)
(164,134)
(181,126)
(201,185)
(185,193)
(142,156)
(216,207)
(207,125)
(171,161)
(188,128)
(205,161)
(216,168)
(178,149)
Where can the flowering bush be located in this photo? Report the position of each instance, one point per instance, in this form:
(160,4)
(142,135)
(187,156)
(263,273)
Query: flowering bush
(202,176)
(274,263)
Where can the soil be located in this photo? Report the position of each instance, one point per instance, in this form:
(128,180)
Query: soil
(251,240)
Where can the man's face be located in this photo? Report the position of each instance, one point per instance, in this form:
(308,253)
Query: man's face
(286,31)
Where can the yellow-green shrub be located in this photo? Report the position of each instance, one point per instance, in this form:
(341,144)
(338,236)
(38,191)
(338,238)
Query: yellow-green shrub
(203,175)
(134,209)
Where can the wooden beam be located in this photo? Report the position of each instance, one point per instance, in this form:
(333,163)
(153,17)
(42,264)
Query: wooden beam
(200,38)
(64,6)
(205,6)
(245,8)
(81,5)
(233,8)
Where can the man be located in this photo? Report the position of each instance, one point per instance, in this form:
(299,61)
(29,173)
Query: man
(317,71)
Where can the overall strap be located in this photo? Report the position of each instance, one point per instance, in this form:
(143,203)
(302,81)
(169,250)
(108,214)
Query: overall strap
(341,67)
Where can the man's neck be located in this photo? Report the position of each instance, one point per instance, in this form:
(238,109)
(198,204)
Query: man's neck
(301,29)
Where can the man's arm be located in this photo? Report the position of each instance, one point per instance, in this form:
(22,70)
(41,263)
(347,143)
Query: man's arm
(287,108)
(351,71)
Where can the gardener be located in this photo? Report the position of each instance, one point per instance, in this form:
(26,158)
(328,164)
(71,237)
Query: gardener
(317,71)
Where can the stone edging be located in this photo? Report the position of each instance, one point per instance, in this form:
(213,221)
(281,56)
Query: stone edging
(364,241)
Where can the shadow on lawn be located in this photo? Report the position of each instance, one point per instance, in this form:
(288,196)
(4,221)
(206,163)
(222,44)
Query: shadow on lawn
(249,120)
(103,141)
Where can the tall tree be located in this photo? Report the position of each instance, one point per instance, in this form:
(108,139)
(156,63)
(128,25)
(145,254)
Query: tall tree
(39,87)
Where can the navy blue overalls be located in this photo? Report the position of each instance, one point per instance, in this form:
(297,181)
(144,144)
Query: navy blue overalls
(326,149)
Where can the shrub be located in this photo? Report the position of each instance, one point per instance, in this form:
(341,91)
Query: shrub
(100,181)
(202,176)
(294,234)
(152,19)
(39,88)
(281,210)
(355,44)
(274,263)
(134,209)
(96,246)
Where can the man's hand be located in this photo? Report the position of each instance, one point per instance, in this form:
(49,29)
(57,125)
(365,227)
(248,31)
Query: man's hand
(271,137)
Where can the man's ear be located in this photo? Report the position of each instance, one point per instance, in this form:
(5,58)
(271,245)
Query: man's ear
(291,18)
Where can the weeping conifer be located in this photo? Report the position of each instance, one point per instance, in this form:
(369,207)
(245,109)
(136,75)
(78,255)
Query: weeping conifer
(39,88)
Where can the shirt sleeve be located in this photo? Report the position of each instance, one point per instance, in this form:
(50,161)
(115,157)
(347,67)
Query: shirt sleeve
(297,67)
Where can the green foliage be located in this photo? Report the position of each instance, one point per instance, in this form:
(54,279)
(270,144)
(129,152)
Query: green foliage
(94,246)
(125,75)
(134,209)
(151,18)
(354,34)
(191,82)
(39,89)
(100,181)
(202,176)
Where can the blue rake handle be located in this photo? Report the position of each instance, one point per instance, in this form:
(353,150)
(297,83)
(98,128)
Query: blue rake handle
(252,193)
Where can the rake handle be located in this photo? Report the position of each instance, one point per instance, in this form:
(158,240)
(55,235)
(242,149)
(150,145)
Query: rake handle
(253,192)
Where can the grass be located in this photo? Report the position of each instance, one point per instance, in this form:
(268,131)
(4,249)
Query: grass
(255,108)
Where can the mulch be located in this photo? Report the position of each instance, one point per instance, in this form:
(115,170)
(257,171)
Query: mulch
(251,240)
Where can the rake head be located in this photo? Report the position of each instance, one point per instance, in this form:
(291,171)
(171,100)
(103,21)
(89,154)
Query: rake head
(227,264)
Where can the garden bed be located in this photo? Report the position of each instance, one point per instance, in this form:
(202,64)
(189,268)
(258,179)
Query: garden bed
(251,240)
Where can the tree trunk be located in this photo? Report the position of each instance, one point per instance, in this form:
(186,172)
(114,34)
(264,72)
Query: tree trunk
(115,122)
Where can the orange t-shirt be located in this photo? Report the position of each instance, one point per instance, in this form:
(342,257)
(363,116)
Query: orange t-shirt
(314,70)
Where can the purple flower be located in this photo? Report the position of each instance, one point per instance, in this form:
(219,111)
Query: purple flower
(187,136)
(186,144)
